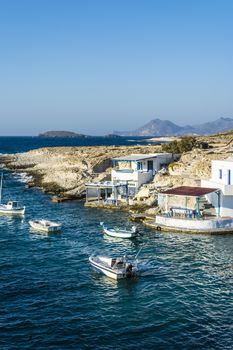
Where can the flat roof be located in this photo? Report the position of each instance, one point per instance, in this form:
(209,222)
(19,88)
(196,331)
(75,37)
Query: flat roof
(105,184)
(230,159)
(137,157)
(190,191)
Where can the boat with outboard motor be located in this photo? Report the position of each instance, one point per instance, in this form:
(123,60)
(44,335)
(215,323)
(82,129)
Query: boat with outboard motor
(12,207)
(45,225)
(119,232)
(116,268)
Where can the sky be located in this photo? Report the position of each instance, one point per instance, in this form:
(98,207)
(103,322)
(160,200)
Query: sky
(94,66)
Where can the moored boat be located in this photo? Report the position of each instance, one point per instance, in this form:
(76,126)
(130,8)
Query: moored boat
(119,232)
(45,225)
(12,207)
(116,268)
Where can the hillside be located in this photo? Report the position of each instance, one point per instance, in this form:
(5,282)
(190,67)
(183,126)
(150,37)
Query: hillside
(158,127)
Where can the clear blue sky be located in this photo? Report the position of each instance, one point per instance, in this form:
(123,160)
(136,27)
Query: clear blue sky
(94,66)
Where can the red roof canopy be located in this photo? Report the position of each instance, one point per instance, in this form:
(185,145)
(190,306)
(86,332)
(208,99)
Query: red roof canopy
(190,191)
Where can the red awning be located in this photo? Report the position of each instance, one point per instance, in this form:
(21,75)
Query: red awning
(190,191)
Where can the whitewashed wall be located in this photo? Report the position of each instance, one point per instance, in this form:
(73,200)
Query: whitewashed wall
(124,175)
(226,201)
(224,165)
(193,224)
(139,177)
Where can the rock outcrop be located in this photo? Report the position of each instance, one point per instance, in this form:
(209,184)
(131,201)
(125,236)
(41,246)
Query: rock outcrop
(65,170)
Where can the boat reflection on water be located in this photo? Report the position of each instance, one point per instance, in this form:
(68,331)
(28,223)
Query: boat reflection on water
(11,219)
(123,242)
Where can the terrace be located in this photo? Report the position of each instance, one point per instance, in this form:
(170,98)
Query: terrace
(186,208)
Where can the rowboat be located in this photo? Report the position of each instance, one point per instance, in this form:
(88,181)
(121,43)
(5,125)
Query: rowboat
(119,232)
(12,207)
(45,225)
(116,268)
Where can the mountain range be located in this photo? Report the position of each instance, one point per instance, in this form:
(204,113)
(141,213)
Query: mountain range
(158,127)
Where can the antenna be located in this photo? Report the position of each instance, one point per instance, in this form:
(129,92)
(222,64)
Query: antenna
(138,253)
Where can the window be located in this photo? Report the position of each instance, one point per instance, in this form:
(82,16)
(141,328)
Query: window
(220,173)
(139,165)
(229,177)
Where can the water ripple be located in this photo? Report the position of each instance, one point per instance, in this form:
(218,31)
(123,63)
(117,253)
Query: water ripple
(52,299)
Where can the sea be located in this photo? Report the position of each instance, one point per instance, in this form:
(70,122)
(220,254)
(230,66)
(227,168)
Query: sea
(51,298)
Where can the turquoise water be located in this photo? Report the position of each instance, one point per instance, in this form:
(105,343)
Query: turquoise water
(52,299)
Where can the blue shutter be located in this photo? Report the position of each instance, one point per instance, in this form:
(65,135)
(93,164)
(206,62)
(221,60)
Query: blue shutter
(229,177)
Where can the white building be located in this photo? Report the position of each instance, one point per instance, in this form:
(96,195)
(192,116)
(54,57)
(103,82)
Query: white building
(222,178)
(138,169)
(129,173)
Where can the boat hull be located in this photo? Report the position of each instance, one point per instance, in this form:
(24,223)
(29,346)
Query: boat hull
(119,234)
(15,211)
(42,228)
(107,271)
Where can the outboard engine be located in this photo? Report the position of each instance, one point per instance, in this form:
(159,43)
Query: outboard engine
(129,271)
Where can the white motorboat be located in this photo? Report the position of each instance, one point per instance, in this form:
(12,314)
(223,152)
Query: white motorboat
(116,268)
(45,225)
(120,232)
(12,207)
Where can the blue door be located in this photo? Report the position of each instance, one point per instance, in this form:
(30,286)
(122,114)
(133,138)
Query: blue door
(150,165)
(229,177)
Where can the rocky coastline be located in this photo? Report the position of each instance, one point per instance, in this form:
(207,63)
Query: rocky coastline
(63,171)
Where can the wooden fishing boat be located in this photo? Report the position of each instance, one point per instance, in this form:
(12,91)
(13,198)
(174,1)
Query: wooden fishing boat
(12,207)
(45,225)
(119,232)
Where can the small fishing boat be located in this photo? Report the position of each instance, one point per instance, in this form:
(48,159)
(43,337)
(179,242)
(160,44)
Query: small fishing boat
(119,232)
(45,225)
(12,207)
(116,268)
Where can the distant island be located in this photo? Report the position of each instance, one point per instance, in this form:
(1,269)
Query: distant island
(112,136)
(61,134)
(72,134)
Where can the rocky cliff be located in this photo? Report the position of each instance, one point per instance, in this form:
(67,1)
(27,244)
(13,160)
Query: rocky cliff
(65,170)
